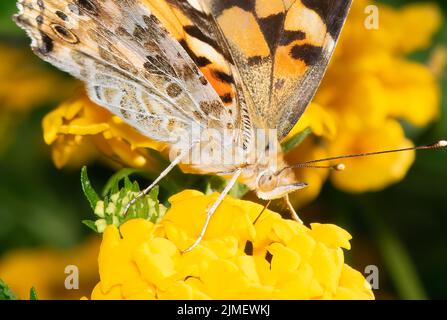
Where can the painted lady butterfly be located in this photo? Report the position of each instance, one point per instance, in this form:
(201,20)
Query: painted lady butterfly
(231,67)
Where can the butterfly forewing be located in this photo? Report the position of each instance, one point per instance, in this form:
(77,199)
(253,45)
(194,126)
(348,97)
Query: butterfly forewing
(130,63)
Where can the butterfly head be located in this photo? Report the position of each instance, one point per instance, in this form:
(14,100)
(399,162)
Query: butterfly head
(272,179)
(277,184)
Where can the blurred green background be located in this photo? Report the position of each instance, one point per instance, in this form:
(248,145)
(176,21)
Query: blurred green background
(400,229)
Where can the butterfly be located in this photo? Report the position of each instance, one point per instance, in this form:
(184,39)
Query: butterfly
(235,70)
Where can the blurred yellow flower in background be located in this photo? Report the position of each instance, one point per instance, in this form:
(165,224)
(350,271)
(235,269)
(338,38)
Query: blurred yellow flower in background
(376,172)
(44,269)
(78,128)
(26,82)
(369,86)
(238,259)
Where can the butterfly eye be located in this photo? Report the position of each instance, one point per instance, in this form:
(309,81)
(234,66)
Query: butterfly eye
(267,181)
(64,33)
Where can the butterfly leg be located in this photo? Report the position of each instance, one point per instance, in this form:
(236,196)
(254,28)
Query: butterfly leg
(212,209)
(292,210)
(175,162)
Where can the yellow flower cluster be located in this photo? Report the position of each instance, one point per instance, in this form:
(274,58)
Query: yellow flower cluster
(239,258)
(369,86)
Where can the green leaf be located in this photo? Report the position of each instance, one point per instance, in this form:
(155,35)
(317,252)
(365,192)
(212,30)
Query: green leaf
(217,184)
(112,185)
(214,184)
(146,207)
(128,186)
(239,190)
(401,268)
(154,195)
(395,256)
(33,294)
(91,224)
(5,292)
(136,187)
(89,192)
(296,140)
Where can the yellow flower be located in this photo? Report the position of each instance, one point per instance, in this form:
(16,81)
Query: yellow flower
(271,259)
(77,125)
(410,18)
(320,121)
(323,125)
(45,270)
(375,172)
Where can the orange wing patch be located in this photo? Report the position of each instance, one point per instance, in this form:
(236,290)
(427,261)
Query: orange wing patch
(267,8)
(302,19)
(248,37)
(286,66)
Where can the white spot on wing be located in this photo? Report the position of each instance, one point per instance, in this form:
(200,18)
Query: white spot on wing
(195,4)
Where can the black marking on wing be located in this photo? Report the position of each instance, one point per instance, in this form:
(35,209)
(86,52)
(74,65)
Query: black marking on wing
(199,60)
(47,44)
(61,15)
(40,4)
(289,36)
(308,53)
(271,27)
(227,99)
(88,5)
(195,32)
(203,29)
(223,76)
(39,20)
(221,5)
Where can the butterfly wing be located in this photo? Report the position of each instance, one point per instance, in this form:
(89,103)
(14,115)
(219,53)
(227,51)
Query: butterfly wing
(130,63)
(281,49)
(205,43)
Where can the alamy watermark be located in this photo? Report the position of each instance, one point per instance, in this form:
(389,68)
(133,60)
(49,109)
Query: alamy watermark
(72,279)
(371,273)
(372,19)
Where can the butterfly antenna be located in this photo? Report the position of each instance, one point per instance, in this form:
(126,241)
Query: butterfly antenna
(336,167)
(341,167)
